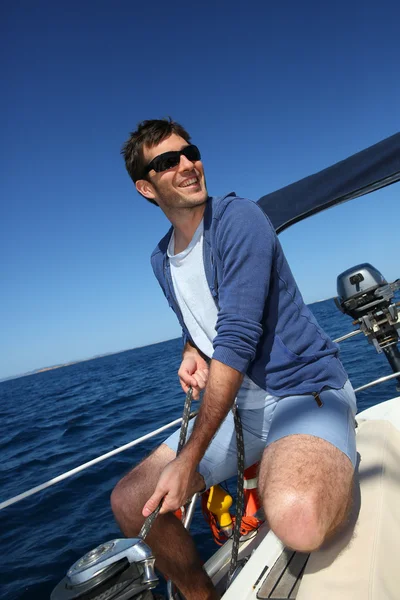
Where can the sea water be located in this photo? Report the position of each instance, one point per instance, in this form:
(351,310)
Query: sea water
(55,420)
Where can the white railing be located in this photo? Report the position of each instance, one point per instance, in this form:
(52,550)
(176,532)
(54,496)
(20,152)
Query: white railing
(347,336)
(377,381)
(90,463)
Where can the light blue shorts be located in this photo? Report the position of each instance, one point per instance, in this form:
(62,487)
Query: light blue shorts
(333,422)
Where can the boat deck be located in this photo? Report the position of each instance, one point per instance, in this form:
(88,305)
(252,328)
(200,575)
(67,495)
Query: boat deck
(283,581)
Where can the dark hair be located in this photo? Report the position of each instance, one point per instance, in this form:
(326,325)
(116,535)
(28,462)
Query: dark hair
(149,133)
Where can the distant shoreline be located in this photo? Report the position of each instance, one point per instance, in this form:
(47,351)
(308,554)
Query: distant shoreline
(60,366)
(81,360)
(75,362)
(49,368)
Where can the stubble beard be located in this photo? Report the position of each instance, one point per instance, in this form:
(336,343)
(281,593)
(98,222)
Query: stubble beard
(176,201)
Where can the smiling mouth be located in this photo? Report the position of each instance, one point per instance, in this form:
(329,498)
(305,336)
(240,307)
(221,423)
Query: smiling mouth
(192,182)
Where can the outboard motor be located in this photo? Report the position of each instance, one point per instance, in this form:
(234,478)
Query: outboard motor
(367,297)
(121,569)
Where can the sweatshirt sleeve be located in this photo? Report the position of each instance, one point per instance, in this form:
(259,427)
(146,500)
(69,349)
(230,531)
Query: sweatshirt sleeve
(245,244)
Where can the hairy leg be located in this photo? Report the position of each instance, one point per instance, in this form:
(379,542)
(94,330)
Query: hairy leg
(173,547)
(306,485)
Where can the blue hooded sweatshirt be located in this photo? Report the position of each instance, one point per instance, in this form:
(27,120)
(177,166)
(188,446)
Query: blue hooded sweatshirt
(264,328)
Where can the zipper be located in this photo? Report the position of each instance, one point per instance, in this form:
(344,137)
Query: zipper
(317,399)
(171,297)
(212,280)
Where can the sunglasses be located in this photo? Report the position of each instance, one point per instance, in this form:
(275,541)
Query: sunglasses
(169,160)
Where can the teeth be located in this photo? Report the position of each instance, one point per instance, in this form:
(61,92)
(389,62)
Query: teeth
(189,182)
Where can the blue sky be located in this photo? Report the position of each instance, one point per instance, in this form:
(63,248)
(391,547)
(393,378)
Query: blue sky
(270,92)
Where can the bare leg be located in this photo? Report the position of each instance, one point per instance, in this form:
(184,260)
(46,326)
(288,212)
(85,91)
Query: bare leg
(305,484)
(173,547)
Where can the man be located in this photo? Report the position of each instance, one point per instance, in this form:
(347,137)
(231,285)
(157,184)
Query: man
(248,336)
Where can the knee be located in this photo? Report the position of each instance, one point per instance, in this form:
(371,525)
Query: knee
(296,521)
(124,499)
(116,499)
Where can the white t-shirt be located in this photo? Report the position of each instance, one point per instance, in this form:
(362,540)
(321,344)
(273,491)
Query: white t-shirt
(200,312)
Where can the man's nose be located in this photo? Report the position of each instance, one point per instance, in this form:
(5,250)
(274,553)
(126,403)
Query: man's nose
(185,164)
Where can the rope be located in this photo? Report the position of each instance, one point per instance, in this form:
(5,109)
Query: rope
(147,525)
(185,420)
(239,492)
(240,481)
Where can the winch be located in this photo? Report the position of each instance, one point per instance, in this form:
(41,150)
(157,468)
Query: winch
(365,295)
(121,569)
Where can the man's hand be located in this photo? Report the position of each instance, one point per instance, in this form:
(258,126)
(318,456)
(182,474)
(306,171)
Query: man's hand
(175,485)
(193,372)
(177,481)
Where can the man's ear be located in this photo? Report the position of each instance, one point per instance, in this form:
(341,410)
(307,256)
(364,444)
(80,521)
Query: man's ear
(145,188)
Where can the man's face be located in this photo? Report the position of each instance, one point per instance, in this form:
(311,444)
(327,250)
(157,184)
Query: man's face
(183,186)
